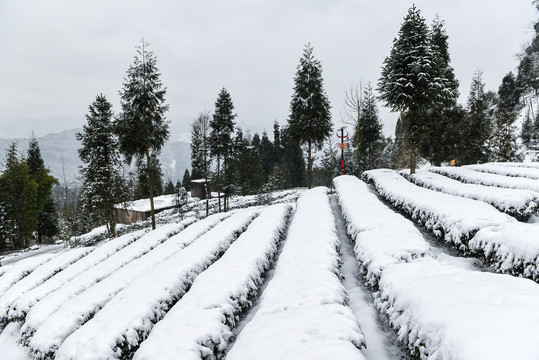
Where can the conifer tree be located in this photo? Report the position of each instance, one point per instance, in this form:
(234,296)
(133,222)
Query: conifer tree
(222,126)
(277,147)
(293,158)
(477,123)
(49,225)
(18,192)
(409,82)
(186,180)
(169,188)
(506,115)
(369,126)
(5,228)
(102,183)
(142,127)
(200,146)
(267,155)
(526,133)
(246,165)
(45,181)
(310,118)
(156,176)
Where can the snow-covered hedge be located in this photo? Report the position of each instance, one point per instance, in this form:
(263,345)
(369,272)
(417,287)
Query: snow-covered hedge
(444,312)
(22,305)
(302,313)
(513,171)
(518,203)
(451,218)
(117,329)
(381,236)
(52,319)
(475,177)
(510,248)
(201,324)
(21,269)
(39,276)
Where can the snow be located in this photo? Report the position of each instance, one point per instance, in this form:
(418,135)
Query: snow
(21,269)
(202,322)
(513,171)
(511,248)
(10,349)
(382,236)
(39,276)
(22,305)
(455,219)
(143,205)
(444,312)
(302,313)
(126,320)
(515,202)
(474,177)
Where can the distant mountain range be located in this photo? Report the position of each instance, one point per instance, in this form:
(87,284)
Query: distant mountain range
(59,151)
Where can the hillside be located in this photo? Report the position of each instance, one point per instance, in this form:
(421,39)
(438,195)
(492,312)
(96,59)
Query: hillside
(448,258)
(59,152)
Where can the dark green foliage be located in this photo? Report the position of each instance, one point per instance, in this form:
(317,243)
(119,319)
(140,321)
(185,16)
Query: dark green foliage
(246,166)
(49,221)
(369,128)
(267,155)
(169,188)
(200,146)
(186,180)
(103,185)
(310,118)
(506,115)
(292,156)
(45,181)
(142,127)
(6,234)
(18,192)
(527,132)
(142,191)
(410,81)
(222,126)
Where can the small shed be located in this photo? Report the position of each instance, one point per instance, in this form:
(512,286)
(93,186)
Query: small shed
(201,187)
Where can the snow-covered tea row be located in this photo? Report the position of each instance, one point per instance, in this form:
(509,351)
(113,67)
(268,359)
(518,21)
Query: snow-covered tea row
(531,165)
(69,300)
(470,176)
(302,313)
(117,329)
(219,295)
(382,236)
(512,171)
(39,276)
(518,203)
(20,307)
(451,218)
(439,311)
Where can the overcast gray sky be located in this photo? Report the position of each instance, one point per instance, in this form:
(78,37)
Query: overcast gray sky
(57,55)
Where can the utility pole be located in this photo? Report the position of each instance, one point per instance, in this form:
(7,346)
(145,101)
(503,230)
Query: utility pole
(342,146)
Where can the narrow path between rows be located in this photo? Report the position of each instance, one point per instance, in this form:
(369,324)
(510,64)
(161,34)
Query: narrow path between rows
(381,340)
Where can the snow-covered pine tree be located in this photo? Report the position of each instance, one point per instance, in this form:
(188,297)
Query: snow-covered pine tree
(45,182)
(246,169)
(370,127)
(410,82)
(142,127)
(200,147)
(5,229)
(310,118)
(186,180)
(222,126)
(526,133)
(266,155)
(156,175)
(102,183)
(506,115)
(477,124)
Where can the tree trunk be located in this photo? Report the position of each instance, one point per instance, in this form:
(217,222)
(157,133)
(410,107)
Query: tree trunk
(412,156)
(150,185)
(309,166)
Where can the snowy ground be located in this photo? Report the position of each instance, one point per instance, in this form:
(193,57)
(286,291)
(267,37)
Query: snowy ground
(343,276)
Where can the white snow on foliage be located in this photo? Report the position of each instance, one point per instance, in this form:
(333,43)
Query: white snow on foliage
(513,171)
(382,236)
(516,202)
(201,323)
(302,313)
(511,248)
(56,315)
(21,269)
(475,177)
(443,312)
(126,320)
(22,305)
(453,218)
(39,276)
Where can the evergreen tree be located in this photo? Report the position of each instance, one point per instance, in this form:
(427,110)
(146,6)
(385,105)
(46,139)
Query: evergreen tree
(200,146)
(277,147)
(142,127)
(45,181)
(506,115)
(293,158)
(477,124)
(526,133)
(246,166)
(409,82)
(169,188)
(186,180)
(310,118)
(5,228)
(329,165)
(267,155)
(18,192)
(156,175)
(279,178)
(370,127)
(103,185)
(48,220)
(222,126)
